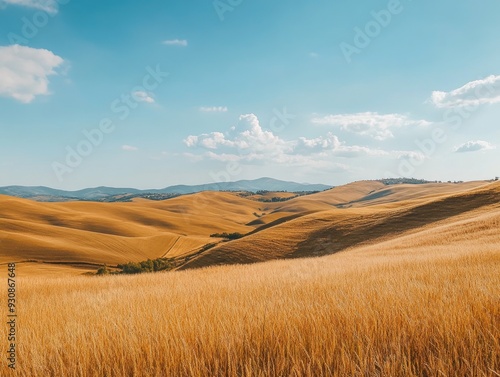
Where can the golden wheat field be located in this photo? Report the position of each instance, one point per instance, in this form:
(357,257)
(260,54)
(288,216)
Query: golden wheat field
(345,315)
(402,287)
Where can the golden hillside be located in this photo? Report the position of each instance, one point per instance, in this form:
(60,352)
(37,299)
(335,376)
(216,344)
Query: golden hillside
(79,236)
(330,231)
(401,287)
(424,303)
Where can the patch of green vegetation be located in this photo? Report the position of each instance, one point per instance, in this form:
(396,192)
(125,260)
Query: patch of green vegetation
(150,265)
(229,236)
(103,270)
(130,268)
(207,246)
(155,265)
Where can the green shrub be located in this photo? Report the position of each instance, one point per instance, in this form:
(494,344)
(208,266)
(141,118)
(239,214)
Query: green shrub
(103,270)
(156,265)
(229,236)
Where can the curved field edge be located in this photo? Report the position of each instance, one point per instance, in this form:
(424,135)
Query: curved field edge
(392,310)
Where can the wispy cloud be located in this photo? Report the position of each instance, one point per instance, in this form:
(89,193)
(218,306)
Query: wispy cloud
(176,42)
(49,6)
(141,96)
(214,109)
(375,125)
(129,148)
(24,72)
(474,146)
(474,93)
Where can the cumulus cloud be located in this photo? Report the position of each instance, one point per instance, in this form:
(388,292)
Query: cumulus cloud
(176,42)
(474,93)
(141,96)
(372,124)
(210,141)
(474,146)
(214,109)
(49,6)
(248,142)
(129,148)
(247,136)
(330,141)
(24,71)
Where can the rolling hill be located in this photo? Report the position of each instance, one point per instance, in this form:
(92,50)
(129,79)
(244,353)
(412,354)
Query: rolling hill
(334,230)
(47,194)
(78,236)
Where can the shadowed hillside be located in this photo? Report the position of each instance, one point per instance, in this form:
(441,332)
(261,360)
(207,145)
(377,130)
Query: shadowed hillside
(88,234)
(335,230)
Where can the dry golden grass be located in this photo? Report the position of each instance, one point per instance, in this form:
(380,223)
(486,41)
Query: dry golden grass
(47,269)
(409,290)
(96,233)
(330,231)
(367,312)
(83,232)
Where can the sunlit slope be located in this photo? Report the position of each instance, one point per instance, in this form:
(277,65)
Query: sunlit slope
(117,232)
(477,231)
(395,194)
(97,233)
(368,193)
(395,308)
(330,198)
(273,214)
(88,234)
(335,230)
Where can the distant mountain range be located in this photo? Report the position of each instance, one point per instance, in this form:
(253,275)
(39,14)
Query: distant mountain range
(41,193)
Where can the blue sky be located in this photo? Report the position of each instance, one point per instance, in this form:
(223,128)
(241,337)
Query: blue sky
(158,93)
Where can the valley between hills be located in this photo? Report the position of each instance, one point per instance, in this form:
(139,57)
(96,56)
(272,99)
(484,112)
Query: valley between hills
(78,237)
(366,279)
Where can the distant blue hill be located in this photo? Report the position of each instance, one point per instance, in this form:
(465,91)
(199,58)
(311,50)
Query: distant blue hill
(103,193)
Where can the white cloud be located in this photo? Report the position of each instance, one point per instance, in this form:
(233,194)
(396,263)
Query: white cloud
(191,141)
(214,109)
(213,140)
(323,142)
(129,148)
(176,42)
(335,147)
(49,6)
(248,142)
(474,93)
(141,96)
(24,72)
(474,146)
(247,136)
(351,151)
(375,125)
